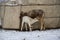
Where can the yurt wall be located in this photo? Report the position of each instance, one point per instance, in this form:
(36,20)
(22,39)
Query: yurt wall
(11,17)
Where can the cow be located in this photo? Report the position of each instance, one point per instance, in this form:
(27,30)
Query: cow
(39,14)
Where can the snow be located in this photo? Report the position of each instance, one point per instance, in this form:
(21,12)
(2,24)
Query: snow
(53,34)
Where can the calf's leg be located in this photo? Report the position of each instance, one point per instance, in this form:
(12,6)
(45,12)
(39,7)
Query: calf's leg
(30,27)
(26,26)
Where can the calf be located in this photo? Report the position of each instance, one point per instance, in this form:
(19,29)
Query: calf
(29,21)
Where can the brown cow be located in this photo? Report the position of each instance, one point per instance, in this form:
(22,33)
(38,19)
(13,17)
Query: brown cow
(39,14)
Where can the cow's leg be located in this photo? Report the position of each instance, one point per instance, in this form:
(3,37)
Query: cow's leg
(44,26)
(22,25)
(30,27)
(26,26)
(42,23)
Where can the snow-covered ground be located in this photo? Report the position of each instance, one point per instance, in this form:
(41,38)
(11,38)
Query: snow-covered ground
(32,35)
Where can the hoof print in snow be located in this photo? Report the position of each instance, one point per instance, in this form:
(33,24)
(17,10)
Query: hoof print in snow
(38,36)
(59,37)
(24,39)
